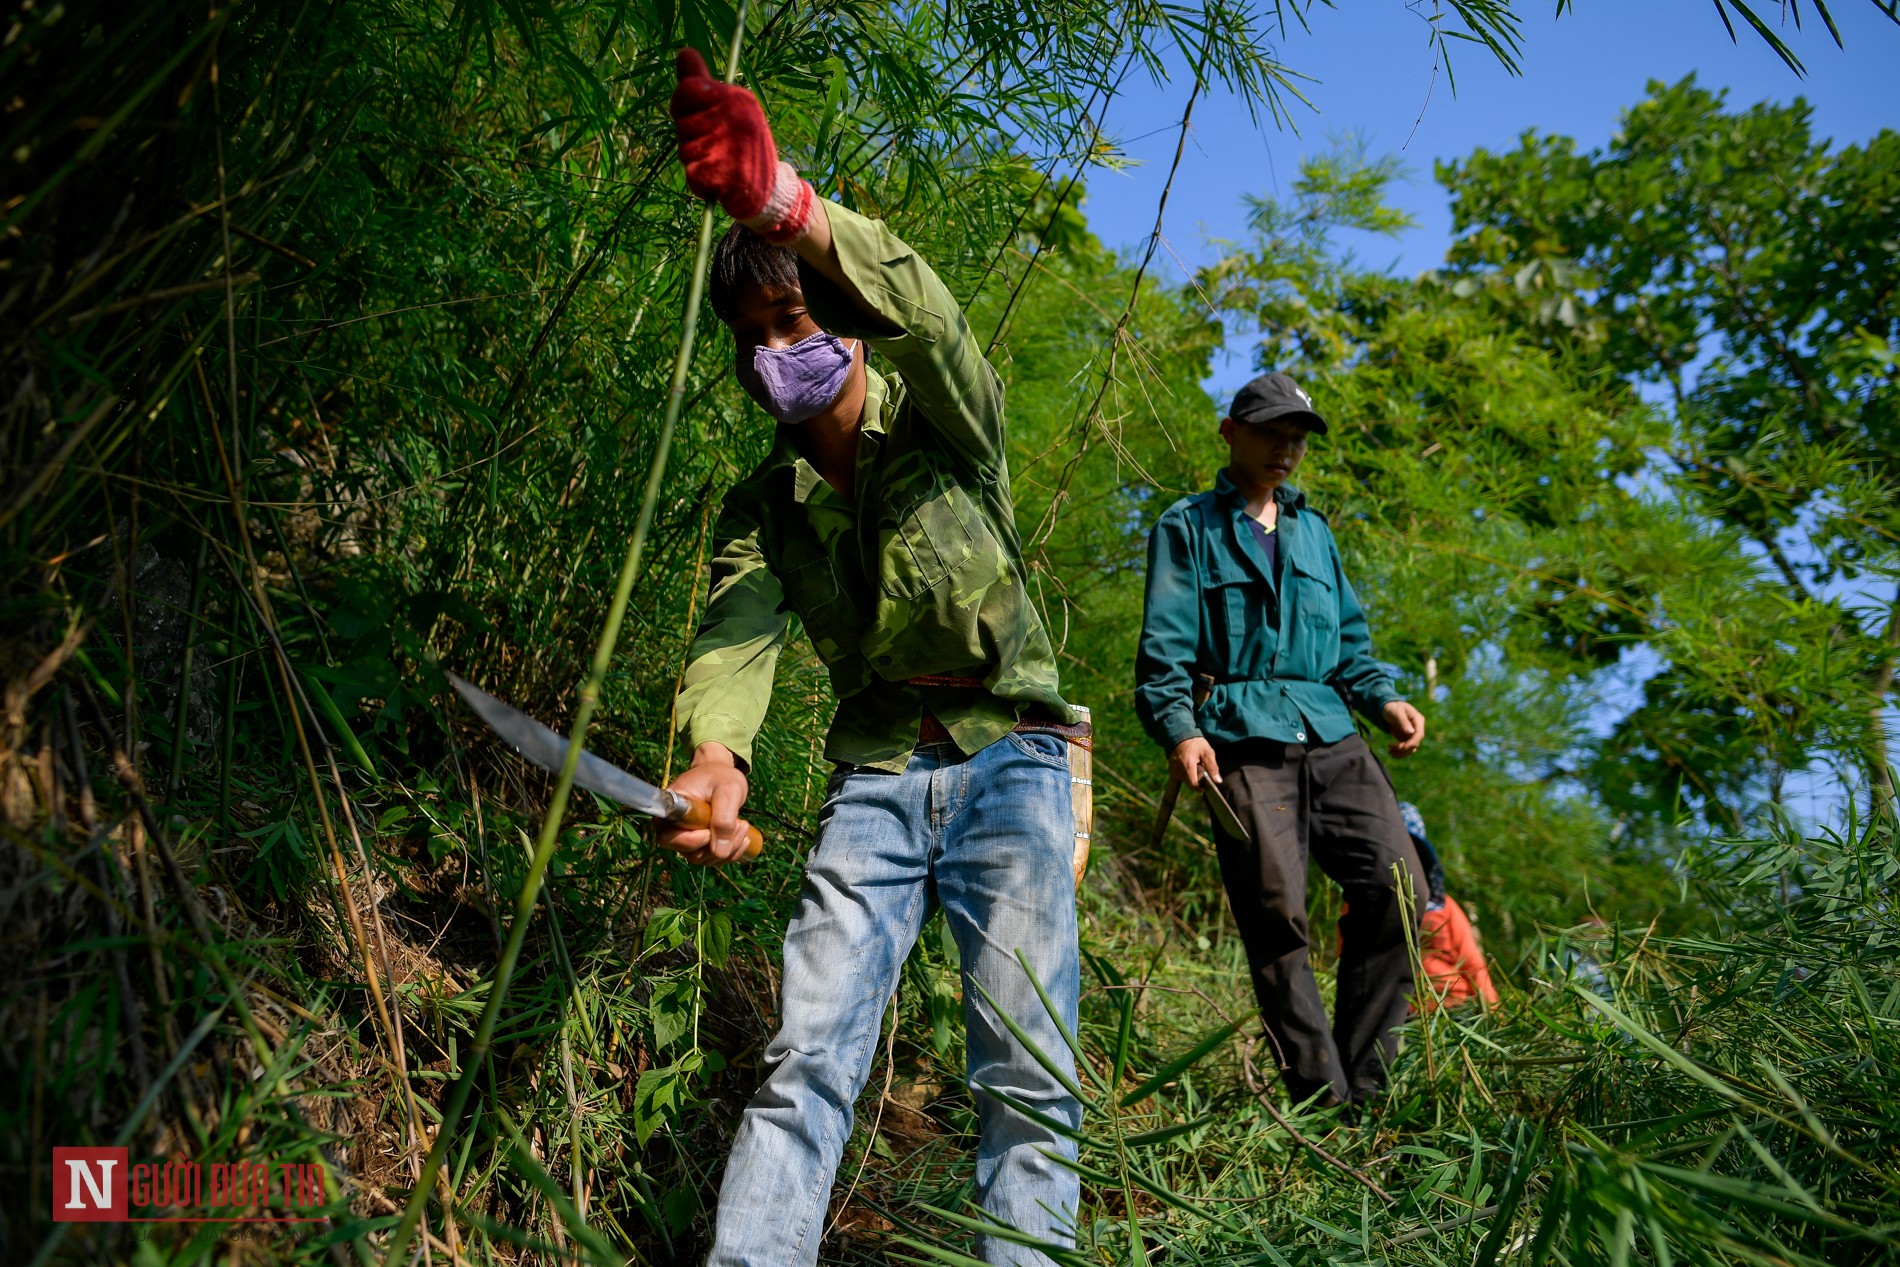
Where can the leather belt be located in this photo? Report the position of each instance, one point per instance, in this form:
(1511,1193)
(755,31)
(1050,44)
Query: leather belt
(930,729)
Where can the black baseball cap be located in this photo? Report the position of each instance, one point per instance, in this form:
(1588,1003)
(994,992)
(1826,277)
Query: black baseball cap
(1272,397)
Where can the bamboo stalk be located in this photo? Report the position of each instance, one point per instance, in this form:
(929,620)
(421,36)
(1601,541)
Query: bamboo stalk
(1273,1110)
(589,699)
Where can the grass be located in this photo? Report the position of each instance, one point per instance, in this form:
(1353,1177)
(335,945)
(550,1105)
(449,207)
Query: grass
(1715,1098)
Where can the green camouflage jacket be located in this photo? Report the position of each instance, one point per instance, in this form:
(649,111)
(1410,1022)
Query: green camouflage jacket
(921,577)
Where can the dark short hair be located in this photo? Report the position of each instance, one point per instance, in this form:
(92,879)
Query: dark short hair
(742,259)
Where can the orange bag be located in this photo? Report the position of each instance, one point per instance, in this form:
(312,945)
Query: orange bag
(1453,959)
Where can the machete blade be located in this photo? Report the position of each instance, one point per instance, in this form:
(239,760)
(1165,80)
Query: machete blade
(1223,811)
(546,748)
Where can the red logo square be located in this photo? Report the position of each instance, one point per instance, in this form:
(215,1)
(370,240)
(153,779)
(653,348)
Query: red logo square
(89,1185)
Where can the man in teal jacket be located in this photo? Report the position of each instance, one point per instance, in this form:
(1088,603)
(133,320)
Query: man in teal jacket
(1249,611)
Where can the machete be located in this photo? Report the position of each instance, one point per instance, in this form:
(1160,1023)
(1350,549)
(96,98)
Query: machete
(545,748)
(1223,811)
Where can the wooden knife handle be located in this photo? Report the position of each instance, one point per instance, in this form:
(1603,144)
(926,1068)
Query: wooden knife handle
(699,814)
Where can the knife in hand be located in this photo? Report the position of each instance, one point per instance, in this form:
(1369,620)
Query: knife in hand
(547,749)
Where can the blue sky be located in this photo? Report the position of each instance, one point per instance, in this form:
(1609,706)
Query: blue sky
(1372,72)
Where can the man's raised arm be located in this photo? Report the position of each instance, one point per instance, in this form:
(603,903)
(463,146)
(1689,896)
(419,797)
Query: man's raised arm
(871,285)
(882,291)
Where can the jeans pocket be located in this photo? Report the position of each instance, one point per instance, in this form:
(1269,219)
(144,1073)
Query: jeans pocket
(1041,747)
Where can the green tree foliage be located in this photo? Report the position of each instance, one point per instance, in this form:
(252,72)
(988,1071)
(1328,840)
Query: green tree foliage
(1753,272)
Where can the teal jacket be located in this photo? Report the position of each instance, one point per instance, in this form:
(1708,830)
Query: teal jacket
(1286,655)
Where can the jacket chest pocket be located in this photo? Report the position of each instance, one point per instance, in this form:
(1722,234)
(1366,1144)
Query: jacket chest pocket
(1243,607)
(1315,604)
(928,528)
(813,593)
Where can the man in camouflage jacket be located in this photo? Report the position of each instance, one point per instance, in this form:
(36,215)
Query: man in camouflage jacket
(882,522)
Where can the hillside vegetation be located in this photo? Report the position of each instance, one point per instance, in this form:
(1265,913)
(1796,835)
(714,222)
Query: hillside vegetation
(338,338)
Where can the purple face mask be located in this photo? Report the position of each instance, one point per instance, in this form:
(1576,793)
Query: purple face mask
(799,382)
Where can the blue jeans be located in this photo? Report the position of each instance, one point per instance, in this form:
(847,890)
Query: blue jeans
(989,838)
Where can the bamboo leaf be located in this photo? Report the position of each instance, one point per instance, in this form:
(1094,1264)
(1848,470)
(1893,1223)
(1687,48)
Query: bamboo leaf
(1656,1045)
(1180,1064)
(1036,1052)
(334,716)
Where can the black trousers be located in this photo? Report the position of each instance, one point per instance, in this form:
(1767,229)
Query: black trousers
(1334,802)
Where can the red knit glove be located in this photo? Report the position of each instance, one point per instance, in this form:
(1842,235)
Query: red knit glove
(729,156)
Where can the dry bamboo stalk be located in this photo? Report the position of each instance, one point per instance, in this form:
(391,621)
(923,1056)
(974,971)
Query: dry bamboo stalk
(1273,1110)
